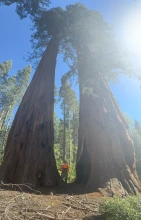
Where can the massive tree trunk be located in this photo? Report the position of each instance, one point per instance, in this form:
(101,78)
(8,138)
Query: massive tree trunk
(29,156)
(105,148)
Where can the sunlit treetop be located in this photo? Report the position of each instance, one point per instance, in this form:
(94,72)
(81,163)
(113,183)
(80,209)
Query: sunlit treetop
(73,25)
(94,42)
(5,68)
(46,24)
(79,30)
(27,7)
(49,23)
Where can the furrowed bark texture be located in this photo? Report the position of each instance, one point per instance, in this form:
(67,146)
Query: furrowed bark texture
(105,149)
(29,156)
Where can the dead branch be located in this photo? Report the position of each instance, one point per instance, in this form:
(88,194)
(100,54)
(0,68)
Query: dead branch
(21,185)
(45,215)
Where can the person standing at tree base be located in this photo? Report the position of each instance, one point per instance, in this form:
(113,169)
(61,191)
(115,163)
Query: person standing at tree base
(64,171)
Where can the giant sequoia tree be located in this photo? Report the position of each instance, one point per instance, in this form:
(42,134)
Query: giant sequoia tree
(105,149)
(29,155)
(31,136)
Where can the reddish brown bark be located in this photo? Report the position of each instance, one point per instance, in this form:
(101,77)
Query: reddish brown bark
(105,149)
(64,134)
(29,156)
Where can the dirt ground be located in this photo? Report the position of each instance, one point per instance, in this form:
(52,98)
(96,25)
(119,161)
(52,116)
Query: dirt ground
(64,202)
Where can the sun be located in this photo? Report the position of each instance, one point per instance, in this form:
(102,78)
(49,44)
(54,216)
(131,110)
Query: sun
(132,31)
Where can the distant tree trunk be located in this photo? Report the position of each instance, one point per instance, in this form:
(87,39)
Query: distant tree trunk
(29,156)
(105,149)
(69,134)
(64,135)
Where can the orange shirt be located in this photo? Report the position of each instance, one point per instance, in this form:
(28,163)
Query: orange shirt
(64,168)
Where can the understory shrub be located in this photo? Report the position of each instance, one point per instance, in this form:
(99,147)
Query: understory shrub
(116,208)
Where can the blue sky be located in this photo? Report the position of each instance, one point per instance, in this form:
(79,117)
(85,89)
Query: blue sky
(123,16)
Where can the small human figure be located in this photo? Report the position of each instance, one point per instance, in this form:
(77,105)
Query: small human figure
(65,170)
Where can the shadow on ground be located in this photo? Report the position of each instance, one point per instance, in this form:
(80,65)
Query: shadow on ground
(100,217)
(70,189)
(62,189)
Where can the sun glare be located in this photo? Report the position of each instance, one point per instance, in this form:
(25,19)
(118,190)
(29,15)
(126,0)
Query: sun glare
(132,31)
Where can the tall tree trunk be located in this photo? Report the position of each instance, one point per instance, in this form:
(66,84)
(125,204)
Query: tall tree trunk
(69,138)
(105,149)
(64,135)
(29,156)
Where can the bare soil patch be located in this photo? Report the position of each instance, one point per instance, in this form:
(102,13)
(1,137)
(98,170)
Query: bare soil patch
(64,202)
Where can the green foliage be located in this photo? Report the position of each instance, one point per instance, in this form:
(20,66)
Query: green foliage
(72,173)
(5,68)
(69,106)
(58,155)
(117,208)
(67,95)
(93,41)
(12,89)
(46,25)
(27,7)
(66,128)
(86,41)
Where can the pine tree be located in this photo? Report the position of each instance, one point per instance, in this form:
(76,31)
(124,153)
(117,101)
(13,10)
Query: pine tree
(12,90)
(4,69)
(98,56)
(33,123)
(68,127)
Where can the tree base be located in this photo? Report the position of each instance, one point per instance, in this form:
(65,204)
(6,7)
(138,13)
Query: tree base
(114,188)
(105,150)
